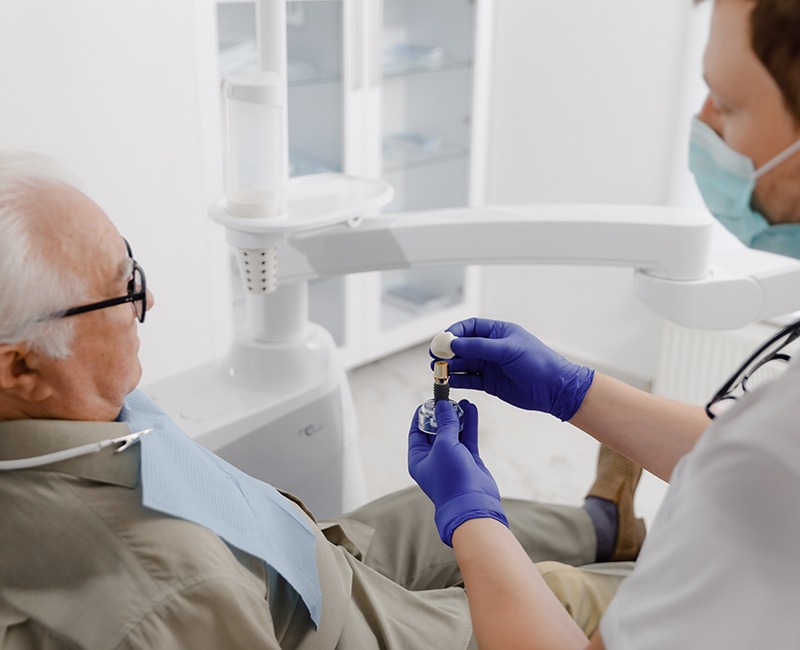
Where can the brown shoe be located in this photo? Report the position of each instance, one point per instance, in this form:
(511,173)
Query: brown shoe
(616,481)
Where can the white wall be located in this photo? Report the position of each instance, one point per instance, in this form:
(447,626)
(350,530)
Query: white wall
(110,89)
(588,105)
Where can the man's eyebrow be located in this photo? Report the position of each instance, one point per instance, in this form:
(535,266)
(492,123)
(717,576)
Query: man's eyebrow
(124,269)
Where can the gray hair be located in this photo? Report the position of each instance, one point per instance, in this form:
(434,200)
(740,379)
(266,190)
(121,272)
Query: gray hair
(31,286)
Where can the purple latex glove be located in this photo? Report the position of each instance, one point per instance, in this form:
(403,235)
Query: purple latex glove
(451,472)
(504,359)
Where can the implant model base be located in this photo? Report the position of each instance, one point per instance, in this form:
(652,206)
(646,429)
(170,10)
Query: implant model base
(426,419)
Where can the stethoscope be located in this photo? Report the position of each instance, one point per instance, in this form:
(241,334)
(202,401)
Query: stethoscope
(123,442)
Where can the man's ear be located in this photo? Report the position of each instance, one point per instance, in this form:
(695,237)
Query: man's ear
(18,374)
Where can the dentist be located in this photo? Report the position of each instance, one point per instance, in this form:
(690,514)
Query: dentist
(719,568)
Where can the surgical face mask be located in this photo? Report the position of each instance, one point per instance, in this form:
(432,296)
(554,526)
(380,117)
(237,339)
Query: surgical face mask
(727,179)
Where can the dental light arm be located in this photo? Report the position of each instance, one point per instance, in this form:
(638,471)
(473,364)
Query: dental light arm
(671,249)
(670,243)
(741,286)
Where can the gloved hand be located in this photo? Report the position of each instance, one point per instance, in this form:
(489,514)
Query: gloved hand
(504,359)
(451,472)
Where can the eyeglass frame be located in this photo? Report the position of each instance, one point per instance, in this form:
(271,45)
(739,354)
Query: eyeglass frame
(791,332)
(134,297)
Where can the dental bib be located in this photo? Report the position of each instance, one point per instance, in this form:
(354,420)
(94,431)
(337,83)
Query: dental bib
(182,479)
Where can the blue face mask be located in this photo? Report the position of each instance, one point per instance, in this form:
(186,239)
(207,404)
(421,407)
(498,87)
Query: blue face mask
(727,179)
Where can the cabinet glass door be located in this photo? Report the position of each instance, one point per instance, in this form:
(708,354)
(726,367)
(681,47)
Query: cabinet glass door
(427,84)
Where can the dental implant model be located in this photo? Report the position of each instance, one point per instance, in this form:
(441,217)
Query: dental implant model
(426,420)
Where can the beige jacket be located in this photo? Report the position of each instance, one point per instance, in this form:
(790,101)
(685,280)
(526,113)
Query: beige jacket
(85,565)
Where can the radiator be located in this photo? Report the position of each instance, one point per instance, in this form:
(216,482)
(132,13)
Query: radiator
(692,364)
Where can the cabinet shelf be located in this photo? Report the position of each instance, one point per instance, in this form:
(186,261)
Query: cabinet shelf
(300,72)
(242,57)
(401,300)
(399,70)
(317,79)
(420,158)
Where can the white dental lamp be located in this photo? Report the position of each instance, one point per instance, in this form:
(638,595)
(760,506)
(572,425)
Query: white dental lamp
(278,405)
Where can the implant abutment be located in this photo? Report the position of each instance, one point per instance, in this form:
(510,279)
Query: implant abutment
(441,391)
(441,381)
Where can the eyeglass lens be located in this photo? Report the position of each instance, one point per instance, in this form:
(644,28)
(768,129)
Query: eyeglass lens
(137,285)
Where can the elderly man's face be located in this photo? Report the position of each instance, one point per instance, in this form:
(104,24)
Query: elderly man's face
(745,107)
(103,365)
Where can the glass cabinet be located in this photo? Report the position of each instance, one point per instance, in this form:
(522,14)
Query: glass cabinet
(386,90)
(427,71)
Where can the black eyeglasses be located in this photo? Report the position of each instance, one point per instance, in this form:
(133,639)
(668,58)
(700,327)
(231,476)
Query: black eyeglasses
(764,365)
(137,294)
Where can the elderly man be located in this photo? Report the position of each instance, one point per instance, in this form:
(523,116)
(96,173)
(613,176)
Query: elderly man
(719,568)
(160,544)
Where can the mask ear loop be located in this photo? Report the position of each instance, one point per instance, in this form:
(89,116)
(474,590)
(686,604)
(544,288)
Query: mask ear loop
(777,160)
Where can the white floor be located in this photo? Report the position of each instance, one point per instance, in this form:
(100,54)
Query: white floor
(531,455)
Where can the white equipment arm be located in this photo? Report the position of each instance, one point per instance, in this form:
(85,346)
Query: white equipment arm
(670,248)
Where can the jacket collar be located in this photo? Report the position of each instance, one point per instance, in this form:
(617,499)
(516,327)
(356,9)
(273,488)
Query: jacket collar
(27,438)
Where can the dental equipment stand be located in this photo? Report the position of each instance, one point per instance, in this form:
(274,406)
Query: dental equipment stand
(278,406)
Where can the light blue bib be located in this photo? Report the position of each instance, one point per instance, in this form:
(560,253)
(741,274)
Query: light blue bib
(182,479)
